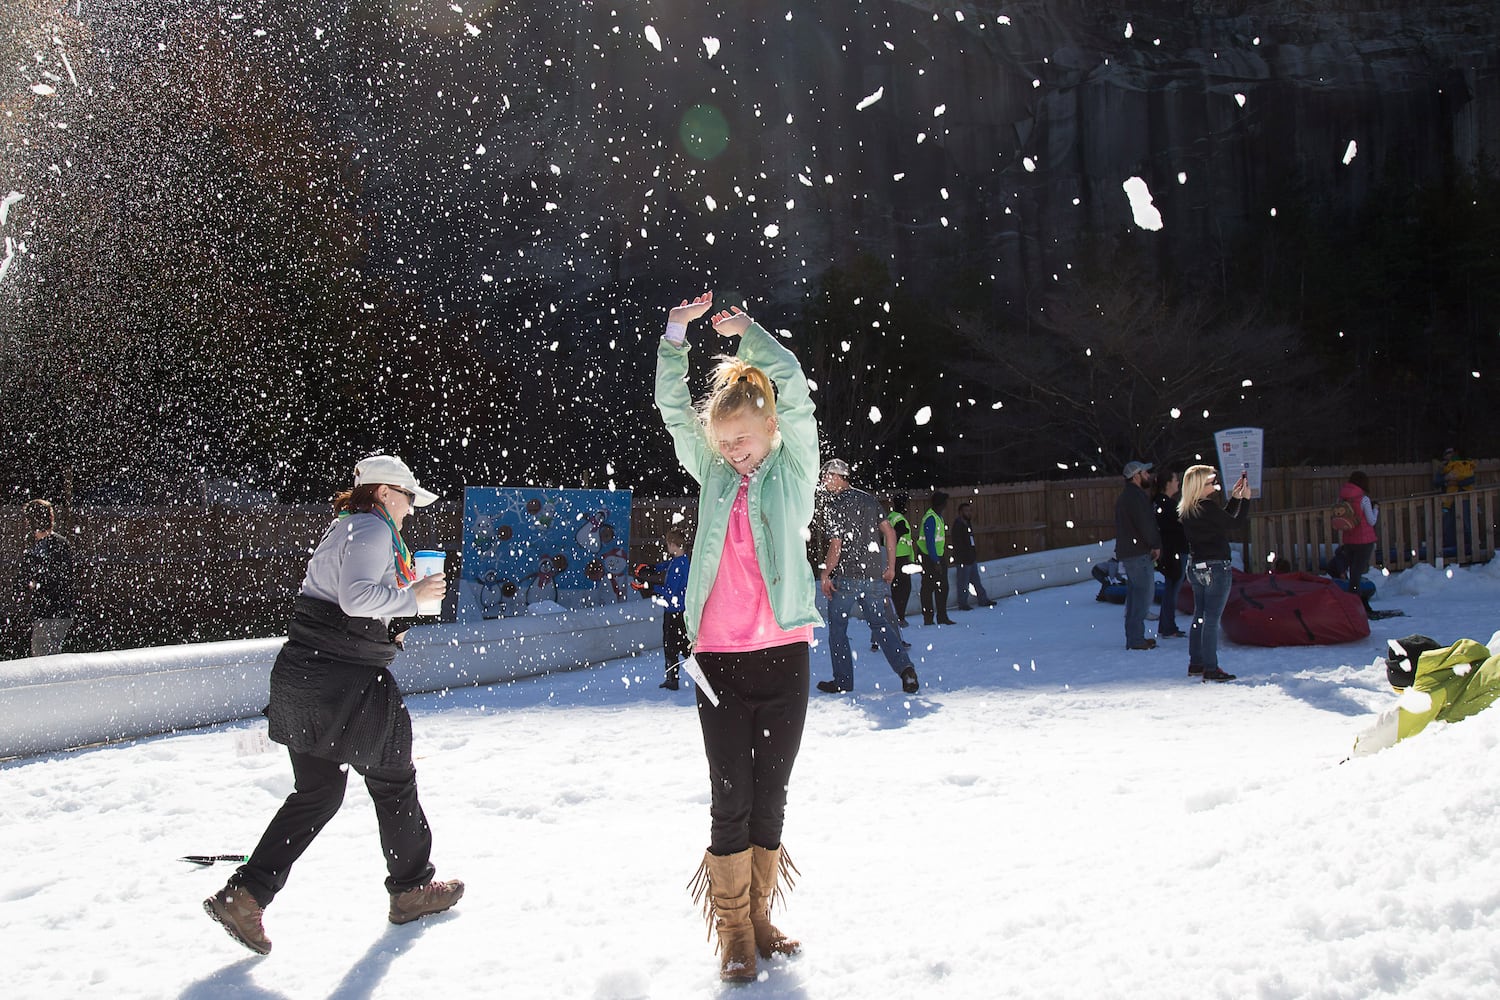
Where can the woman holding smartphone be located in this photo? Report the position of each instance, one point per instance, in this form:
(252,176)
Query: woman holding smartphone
(1207,525)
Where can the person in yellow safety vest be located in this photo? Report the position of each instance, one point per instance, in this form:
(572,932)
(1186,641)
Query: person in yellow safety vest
(905,555)
(1455,474)
(932,546)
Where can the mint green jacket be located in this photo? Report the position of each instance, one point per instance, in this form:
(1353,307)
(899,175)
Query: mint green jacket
(781,490)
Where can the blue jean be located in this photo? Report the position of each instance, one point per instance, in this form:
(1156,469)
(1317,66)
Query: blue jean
(967,575)
(1211,585)
(870,600)
(1166,622)
(1140,587)
(1451,526)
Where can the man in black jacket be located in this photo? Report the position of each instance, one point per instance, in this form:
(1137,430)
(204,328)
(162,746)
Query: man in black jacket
(966,561)
(1137,546)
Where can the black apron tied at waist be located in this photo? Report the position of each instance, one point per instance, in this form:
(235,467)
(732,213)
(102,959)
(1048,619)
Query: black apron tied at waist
(323,627)
(332,695)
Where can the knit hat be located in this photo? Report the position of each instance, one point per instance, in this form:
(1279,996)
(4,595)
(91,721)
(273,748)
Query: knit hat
(1402,656)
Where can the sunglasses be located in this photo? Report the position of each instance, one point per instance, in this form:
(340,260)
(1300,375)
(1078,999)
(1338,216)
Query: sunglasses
(411,497)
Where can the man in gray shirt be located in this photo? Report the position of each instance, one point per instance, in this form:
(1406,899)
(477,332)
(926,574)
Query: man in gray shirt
(856,578)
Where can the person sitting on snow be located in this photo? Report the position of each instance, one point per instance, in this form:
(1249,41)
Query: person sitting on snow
(1443,683)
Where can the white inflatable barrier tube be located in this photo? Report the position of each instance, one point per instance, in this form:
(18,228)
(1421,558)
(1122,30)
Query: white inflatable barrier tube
(52,703)
(71,700)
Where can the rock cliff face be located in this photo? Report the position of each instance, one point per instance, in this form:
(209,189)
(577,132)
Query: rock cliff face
(518,155)
(450,185)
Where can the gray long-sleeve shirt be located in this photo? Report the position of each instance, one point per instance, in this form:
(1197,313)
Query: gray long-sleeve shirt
(354,566)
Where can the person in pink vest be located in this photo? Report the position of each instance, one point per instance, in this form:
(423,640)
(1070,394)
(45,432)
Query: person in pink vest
(1359,541)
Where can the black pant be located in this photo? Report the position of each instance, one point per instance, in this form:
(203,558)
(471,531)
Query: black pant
(901,587)
(751,740)
(1359,564)
(320,783)
(674,641)
(934,594)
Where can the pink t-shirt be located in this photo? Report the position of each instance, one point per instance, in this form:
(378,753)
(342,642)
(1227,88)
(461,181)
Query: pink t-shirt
(737,616)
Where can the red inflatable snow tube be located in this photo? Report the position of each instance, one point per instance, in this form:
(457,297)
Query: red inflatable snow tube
(1288,609)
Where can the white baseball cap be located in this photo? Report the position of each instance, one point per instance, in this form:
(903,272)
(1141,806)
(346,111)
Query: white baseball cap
(388,470)
(836,466)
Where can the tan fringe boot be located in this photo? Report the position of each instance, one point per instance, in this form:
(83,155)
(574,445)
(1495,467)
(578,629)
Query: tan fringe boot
(771,879)
(722,885)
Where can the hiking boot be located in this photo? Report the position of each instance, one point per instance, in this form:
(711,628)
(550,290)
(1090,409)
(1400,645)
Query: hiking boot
(946,621)
(909,682)
(670,684)
(831,687)
(434,897)
(239,914)
(1215,674)
(1148,644)
(1195,669)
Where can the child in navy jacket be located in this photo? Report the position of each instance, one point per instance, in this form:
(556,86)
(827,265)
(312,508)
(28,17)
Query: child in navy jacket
(668,584)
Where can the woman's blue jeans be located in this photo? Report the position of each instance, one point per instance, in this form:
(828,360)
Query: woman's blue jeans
(1211,581)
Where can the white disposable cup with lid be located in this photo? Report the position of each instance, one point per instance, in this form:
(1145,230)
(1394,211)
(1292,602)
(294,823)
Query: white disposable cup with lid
(426,563)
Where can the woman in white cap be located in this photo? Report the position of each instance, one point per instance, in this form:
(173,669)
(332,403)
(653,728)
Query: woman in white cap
(336,706)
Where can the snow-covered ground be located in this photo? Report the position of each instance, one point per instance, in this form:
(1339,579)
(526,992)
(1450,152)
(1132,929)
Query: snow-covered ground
(1051,817)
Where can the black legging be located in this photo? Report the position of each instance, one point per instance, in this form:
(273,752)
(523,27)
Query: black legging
(404,836)
(1359,564)
(751,740)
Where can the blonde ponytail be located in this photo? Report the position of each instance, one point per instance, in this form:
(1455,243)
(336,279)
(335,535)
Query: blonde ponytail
(737,387)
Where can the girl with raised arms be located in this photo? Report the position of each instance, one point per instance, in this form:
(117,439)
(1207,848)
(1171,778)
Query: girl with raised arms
(752,445)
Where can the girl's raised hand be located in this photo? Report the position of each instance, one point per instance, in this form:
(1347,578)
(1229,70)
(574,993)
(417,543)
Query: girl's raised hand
(731,323)
(689,311)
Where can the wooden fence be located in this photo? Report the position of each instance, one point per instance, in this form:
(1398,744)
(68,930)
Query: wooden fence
(154,575)
(1435,528)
